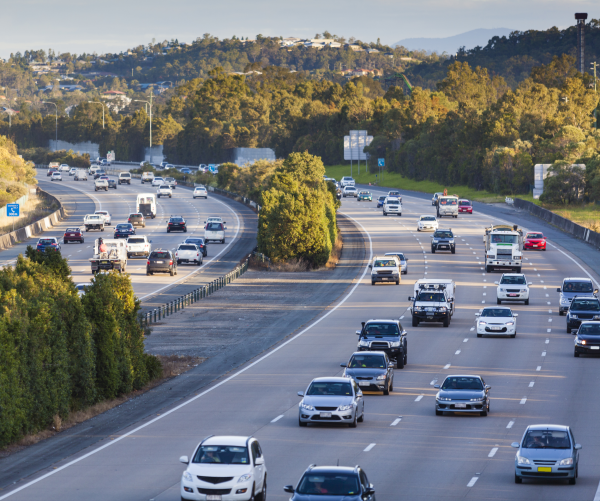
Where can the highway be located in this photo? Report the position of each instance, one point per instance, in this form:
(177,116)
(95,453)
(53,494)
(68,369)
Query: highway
(407,451)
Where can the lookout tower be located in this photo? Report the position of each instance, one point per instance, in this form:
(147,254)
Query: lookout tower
(580,18)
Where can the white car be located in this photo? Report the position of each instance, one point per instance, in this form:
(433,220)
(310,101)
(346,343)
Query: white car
(347,181)
(214,219)
(138,246)
(157,181)
(427,223)
(164,190)
(203,168)
(200,192)
(236,463)
(56,176)
(513,287)
(214,231)
(80,175)
(188,253)
(496,321)
(82,288)
(350,191)
(392,206)
(72,171)
(106,215)
(64,168)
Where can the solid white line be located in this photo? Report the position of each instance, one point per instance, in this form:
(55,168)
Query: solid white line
(523,400)
(510,424)
(531,384)
(597,496)
(472,482)
(276,419)
(493,452)
(209,390)
(418,399)
(538,368)
(447,366)
(369,447)
(395,422)
(457,352)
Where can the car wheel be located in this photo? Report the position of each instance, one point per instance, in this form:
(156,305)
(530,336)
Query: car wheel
(415,322)
(252,495)
(82,241)
(418,229)
(479,335)
(518,480)
(439,413)
(498,301)
(568,330)
(171,272)
(527,301)
(385,213)
(519,269)
(483,413)
(353,423)
(514,335)
(386,390)
(432,250)
(572,481)
(263,494)
(300,423)
(372,282)
(560,313)
(397,282)
(400,362)
(453,251)
(168,231)
(488,269)
(576,354)
(446,322)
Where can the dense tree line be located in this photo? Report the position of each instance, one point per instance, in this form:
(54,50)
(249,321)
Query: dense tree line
(15,173)
(60,352)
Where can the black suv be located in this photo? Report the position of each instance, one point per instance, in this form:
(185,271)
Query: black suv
(333,483)
(582,308)
(443,240)
(387,336)
(161,261)
(176,224)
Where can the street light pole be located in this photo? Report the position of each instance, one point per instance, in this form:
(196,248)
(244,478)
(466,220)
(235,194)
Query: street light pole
(99,102)
(149,103)
(48,102)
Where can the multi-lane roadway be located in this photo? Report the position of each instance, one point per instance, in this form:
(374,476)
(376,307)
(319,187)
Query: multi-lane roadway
(407,451)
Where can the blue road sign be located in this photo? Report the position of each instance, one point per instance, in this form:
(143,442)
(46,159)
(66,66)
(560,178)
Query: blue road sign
(381,162)
(12,210)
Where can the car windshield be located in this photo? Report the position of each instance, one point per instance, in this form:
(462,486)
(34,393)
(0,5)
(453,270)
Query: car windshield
(377,329)
(123,226)
(496,312)
(546,439)
(187,247)
(133,240)
(504,239)
(46,241)
(367,362)
(136,216)
(327,389)
(585,304)
(431,297)
(589,329)
(385,263)
(160,255)
(400,256)
(393,201)
(329,484)
(195,241)
(70,230)
(176,220)
(158,179)
(221,454)
(169,179)
(214,227)
(124,174)
(577,287)
(513,280)
(382,198)
(464,202)
(427,218)
(534,235)
(448,201)
(442,234)
(462,383)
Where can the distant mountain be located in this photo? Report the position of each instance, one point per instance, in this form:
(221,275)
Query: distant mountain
(469,40)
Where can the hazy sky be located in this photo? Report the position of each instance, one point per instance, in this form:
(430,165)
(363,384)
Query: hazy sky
(113,25)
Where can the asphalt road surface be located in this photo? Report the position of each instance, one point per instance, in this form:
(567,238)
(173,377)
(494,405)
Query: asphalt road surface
(407,451)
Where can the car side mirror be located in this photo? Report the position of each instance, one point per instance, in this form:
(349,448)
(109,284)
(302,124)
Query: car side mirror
(391,364)
(288,488)
(515,314)
(300,393)
(575,331)
(224,222)
(515,445)
(577,447)
(184,460)
(477,314)
(558,289)
(370,266)
(496,283)
(150,241)
(436,385)
(410,298)
(344,365)
(488,387)
(259,461)
(358,333)
(595,291)
(406,259)
(371,489)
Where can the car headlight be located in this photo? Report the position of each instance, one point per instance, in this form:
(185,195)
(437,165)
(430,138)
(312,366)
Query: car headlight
(580,341)
(565,462)
(418,308)
(570,315)
(481,322)
(345,407)
(188,476)
(522,460)
(245,478)
(442,308)
(509,323)
(306,407)
(395,344)
(479,399)
(363,343)
(502,290)
(444,399)
(381,378)
(596,317)
(435,240)
(451,241)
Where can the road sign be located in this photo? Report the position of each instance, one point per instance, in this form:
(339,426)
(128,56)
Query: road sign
(355,143)
(110,156)
(12,210)
(381,162)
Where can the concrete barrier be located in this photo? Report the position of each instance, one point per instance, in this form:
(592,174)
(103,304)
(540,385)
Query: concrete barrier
(560,222)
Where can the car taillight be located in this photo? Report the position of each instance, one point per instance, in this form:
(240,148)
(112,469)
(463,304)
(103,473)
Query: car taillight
(170,224)
(171,261)
(197,254)
(148,262)
(129,220)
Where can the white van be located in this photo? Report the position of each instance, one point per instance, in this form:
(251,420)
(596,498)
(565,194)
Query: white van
(146,204)
(214,231)
(92,170)
(80,175)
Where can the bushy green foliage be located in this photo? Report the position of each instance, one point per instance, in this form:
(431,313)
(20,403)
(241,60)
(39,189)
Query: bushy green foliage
(15,173)
(44,156)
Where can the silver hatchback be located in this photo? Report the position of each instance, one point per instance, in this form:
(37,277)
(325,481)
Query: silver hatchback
(336,400)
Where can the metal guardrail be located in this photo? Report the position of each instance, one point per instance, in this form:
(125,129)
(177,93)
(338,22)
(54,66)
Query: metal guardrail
(196,295)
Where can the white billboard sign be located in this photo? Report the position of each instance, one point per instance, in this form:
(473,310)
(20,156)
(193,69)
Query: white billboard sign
(355,143)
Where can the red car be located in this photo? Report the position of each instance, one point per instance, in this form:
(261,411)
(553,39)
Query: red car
(534,240)
(465,206)
(73,235)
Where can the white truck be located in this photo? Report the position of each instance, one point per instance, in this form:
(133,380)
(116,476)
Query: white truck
(146,204)
(433,301)
(188,253)
(101,184)
(124,178)
(80,175)
(447,206)
(503,246)
(138,246)
(94,222)
(115,257)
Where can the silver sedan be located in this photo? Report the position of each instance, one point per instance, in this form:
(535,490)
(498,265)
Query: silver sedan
(336,400)
(463,393)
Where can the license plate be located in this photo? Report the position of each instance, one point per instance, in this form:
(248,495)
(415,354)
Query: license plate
(213,497)
(364,383)
(324,415)
(384,279)
(104,262)
(159,262)
(544,468)
(443,246)
(534,245)
(460,406)
(513,295)
(594,347)
(496,328)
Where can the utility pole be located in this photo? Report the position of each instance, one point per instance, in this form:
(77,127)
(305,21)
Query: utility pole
(149,103)
(594,66)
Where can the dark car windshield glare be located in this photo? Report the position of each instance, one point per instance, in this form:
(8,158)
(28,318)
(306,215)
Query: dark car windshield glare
(428,218)
(188,247)
(513,280)
(504,239)
(123,226)
(377,329)
(462,383)
(496,312)
(160,255)
(431,297)
(577,287)
(442,234)
(329,484)
(221,454)
(214,227)
(132,240)
(136,216)
(176,220)
(400,256)
(367,362)
(329,389)
(534,235)
(382,198)
(70,230)
(585,305)
(46,241)
(589,329)
(546,439)
(195,241)
(380,263)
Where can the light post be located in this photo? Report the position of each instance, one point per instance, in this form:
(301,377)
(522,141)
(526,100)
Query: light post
(594,66)
(149,103)
(48,102)
(99,102)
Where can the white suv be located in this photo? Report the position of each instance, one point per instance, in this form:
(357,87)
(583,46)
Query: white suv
(427,223)
(392,206)
(350,191)
(512,287)
(347,181)
(200,191)
(225,468)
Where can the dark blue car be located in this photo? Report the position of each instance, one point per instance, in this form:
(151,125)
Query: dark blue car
(124,230)
(44,243)
(332,483)
(380,201)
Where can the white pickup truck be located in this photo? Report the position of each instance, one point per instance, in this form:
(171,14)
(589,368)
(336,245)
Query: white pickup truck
(138,246)
(94,222)
(115,258)
(188,253)
(100,184)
